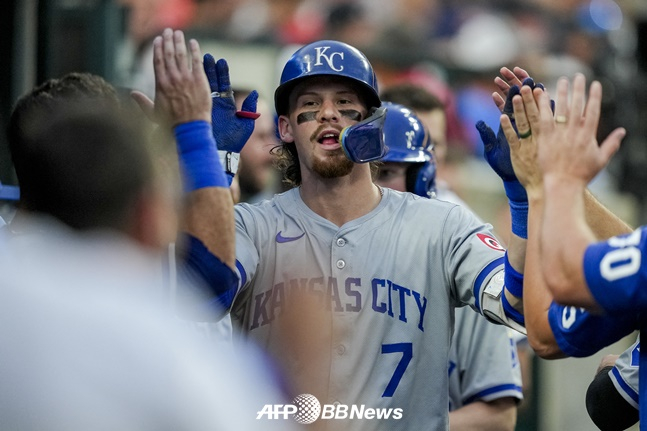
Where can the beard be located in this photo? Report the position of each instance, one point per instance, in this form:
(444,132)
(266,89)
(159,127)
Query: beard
(334,165)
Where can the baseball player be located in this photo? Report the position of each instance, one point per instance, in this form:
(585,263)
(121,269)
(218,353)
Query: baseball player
(87,342)
(484,375)
(557,157)
(612,396)
(385,284)
(483,366)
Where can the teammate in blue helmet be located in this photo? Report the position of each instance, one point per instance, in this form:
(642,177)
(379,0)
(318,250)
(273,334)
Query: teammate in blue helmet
(409,164)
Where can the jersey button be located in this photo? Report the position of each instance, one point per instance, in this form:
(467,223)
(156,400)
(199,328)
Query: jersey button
(341,264)
(341,242)
(341,349)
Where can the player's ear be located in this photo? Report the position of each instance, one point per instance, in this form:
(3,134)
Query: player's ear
(285,129)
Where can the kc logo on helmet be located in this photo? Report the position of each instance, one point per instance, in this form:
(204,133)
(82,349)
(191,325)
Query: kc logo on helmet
(330,58)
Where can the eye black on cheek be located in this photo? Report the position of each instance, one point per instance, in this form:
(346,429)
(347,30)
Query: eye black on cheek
(351,114)
(306,116)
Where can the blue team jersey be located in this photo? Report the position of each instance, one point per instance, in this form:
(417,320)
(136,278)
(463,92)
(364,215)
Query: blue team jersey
(617,278)
(616,274)
(579,333)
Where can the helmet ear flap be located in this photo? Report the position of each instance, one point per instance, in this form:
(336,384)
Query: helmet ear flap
(421,179)
(426,180)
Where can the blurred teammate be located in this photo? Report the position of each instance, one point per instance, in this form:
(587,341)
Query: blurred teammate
(88,341)
(484,372)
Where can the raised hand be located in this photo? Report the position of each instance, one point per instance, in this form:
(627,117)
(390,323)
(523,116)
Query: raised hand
(568,148)
(508,79)
(497,148)
(181,87)
(522,136)
(231,128)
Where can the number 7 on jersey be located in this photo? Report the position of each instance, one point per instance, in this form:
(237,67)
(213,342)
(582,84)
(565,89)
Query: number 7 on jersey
(407,353)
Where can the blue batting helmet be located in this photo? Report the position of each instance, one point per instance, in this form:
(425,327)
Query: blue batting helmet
(331,58)
(409,142)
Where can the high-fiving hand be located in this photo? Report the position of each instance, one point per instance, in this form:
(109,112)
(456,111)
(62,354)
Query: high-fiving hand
(565,143)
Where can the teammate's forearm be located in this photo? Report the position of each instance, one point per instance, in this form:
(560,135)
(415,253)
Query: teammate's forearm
(209,213)
(498,415)
(564,217)
(537,298)
(209,216)
(515,256)
(603,222)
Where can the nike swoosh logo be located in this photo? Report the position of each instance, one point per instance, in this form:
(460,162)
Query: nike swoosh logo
(281,239)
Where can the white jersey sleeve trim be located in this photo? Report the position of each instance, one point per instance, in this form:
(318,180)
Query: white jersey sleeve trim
(623,388)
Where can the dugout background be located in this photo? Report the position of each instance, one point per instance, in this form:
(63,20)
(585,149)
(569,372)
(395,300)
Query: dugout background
(45,39)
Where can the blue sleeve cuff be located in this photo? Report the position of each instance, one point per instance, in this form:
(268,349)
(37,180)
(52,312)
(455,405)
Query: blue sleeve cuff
(579,333)
(218,281)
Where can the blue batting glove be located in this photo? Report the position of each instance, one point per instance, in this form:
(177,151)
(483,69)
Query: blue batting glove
(497,154)
(231,128)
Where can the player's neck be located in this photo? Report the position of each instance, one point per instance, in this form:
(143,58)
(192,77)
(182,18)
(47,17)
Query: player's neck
(341,200)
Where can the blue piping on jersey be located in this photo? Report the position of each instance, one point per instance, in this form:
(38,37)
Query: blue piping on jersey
(625,387)
(481,277)
(492,390)
(241,273)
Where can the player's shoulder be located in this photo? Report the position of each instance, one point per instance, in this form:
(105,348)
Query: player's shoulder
(415,201)
(437,211)
(265,217)
(278,202)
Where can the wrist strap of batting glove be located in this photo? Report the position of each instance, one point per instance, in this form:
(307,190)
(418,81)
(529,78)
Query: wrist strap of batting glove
(229,161)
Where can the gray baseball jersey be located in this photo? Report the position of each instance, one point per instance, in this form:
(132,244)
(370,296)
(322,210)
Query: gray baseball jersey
(482,367)
(625,374)
(483,362)
(390,281)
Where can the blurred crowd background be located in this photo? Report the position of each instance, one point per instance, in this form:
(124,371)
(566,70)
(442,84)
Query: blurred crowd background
(453,47)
